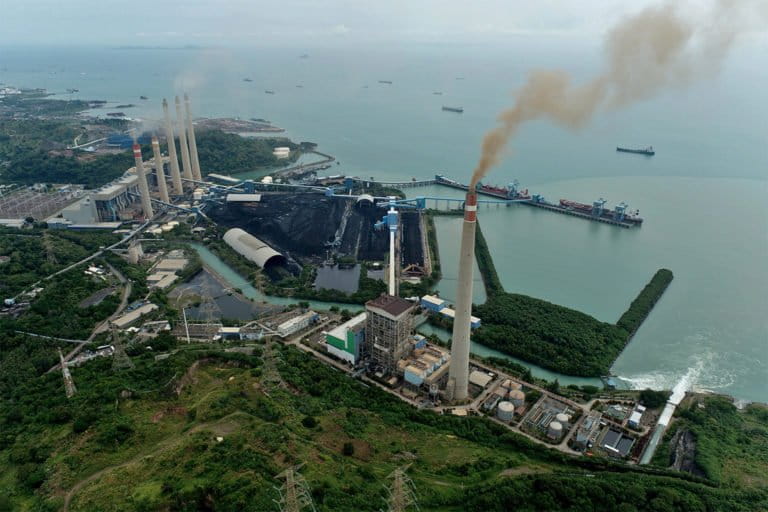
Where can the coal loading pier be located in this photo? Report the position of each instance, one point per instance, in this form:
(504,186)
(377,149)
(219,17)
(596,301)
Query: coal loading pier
(618,216)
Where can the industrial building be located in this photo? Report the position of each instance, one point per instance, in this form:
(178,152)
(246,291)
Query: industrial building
(616,443)
(346,341)
(296,324)
(425,365)
(439,306)
(388,330)
(252,248)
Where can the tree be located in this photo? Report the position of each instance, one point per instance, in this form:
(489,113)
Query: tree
(348,449)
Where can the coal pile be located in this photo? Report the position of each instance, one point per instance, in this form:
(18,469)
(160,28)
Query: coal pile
(411,250)
(303,224)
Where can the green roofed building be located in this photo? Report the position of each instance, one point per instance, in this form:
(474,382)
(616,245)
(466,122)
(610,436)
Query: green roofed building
(346,340)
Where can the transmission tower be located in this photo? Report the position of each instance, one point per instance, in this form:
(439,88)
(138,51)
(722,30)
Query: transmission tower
(270,375)
(402,492)
(208,310)
(294,493)
(120,359)
(69,383)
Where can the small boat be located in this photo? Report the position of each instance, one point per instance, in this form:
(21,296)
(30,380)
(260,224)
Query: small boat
(437,93)
(299,86)
(269,92)
(642,151)
(73,90)
(143,98)
(247,80)
(304,56)
(385,82)
(453,109)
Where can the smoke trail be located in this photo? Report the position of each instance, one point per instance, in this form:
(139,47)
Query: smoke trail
(647,52)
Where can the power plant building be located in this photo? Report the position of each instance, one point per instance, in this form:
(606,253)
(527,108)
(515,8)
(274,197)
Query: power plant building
(296,324)
(346,341)
(388,330)
(252,248)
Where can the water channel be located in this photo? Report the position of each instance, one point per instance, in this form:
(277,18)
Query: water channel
(235,280)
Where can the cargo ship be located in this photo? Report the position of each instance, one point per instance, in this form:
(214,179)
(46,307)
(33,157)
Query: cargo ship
(269,92)
(642,151)
(247,80)
(385,82)
(437,93)
(453,109)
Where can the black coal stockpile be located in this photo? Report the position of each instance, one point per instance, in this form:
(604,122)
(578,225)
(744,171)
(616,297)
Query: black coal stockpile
(412,252)
(302,224)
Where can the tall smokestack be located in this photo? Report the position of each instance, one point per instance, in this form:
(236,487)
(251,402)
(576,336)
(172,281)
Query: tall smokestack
(178,188)
(192,142)
(146,202)
(158,161)
(183,142)
(458,375)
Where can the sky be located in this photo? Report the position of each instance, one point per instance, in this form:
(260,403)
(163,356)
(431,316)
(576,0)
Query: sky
(300,23)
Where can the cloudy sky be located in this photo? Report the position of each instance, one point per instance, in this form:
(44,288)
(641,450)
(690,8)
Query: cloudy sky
(301,22)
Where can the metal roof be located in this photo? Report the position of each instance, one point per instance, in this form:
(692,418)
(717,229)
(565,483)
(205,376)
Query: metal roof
(395,306)
(251,247)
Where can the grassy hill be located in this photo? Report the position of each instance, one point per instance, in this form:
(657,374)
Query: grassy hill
(201,430)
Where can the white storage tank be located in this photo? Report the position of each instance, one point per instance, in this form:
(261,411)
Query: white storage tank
(563,418)
(555,430)
(505,411)
(517,397)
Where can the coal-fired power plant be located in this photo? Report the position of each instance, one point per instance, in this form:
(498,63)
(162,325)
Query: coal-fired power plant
(192,142)
(178,188)
(162,188)
(183,142)
(146,200)
(458,376)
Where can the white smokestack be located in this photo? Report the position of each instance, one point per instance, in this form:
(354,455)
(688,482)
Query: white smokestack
(458,374)
(192,142)
(183,142)
(146,202)
(178,187)
(158,161)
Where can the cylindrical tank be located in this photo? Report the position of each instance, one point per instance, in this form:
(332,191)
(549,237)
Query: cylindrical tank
(563,418)
(517,398)
(555,430)
(505,411)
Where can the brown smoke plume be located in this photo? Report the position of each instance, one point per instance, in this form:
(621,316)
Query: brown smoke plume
(647,52)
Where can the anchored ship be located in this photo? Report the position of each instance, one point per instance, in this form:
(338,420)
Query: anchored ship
(453,109)
(643,151)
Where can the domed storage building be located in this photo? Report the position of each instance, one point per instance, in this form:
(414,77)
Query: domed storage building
(252,248)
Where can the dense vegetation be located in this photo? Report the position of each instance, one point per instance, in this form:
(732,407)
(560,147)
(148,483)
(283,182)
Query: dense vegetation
(36,253)
(549,335)
(228,153)
(631,320)
(731,446)
(26,145)
(553,336)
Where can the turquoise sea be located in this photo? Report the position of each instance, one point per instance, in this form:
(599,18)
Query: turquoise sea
(703,195)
